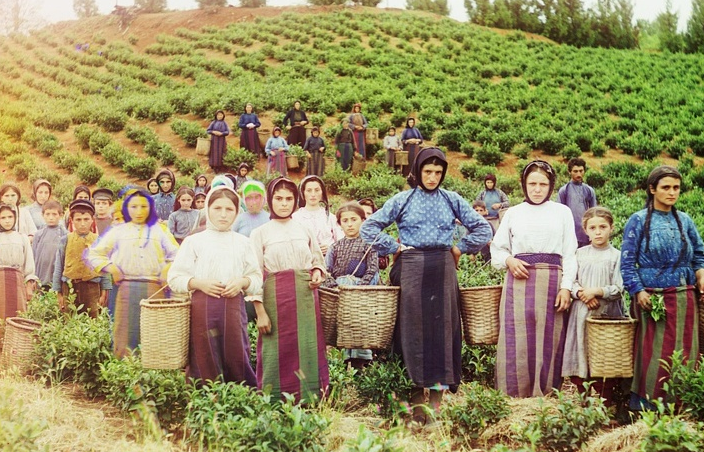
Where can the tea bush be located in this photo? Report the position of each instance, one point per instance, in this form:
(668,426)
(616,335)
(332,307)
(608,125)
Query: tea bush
(89,173)
(478,363)
(83,133)
(115,154)
(67,160)
(189,167)
(100,140)
(18,430)
(335,179)
(367,441)
(686,383)
(140,168)
(235,157)
(669,431)
(188,130)
(480,407)
(385,383)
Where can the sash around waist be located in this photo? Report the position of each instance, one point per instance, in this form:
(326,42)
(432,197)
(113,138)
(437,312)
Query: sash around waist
(540,258)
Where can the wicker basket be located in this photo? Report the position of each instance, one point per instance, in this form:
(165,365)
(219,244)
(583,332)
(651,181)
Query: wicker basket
(20,336)
(164,326)
(291,162)
(401,158)
(203,146)
(480,314)
(329,299)
(366,316)
(610,347)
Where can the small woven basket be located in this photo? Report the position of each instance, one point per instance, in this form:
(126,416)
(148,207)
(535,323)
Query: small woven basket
(329,299)
(366,316)
(164,326)
(291,162)
(479,307)
(20,337)
(401,158)
(203,146)
(610,347)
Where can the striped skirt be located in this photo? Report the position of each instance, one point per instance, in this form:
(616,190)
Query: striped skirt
(249,139)
(219,344)
(125,329)
(428,330)
(13,293)
(412,150)
(532,333)
(292,358)
(679,330)
(316,164)
(218,147)
(277,163)
(297,135)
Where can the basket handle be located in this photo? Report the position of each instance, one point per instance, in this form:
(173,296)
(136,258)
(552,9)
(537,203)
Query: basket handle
(158,292)
(364,256)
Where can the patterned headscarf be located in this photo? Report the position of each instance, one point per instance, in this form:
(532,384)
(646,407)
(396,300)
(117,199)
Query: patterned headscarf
(533,166)
(280,182)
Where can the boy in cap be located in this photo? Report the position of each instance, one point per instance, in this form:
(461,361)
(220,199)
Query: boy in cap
(102,201)
(70,268)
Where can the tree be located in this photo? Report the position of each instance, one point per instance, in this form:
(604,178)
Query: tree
(202,4)
(85,8)
(326,2)
(434,6)
(19,16)
(151,6)
(252,3)
(694,36)
(666,24)
(479,11)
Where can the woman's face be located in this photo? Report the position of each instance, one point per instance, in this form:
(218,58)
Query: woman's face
(219,116)
(200,202)
(248,108)
(357,109)
(42,194)
(201,182)
(243,172)
(350,223)
(82,196)
(411,123)
(7,219)
(277,133)
(315,133)
(138,208)
(313,194)
(537,186)
(666,194)
(153,187)
(489,184)
(254,202)
(297,105)
(283,202)
(10,197)
(222,213)
(165,184)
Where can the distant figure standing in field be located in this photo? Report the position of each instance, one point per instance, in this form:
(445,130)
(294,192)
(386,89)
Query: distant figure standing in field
(218,131)
(345,146)
(276,148)
(249,136)
(295,121)
(493,197)
(392,144)
(358,126)
(578,196)
(412,139)
(315,151)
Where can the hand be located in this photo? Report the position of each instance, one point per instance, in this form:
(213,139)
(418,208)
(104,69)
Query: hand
(589,294)
(263,320)
(643,299)
(282,149)
(700,282)
(401,249)
(250,126)
(496,206)
(308,155)
(115,272)
(211,287)
(303,123)
(235,286)
(288,127)
(456,254)
(103,300)
(273,153)
(322,149)
(517,267)
(563,301)
(316,279)
(30,286)
(62,302)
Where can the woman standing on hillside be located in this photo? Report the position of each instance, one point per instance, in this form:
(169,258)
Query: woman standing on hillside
(249,136)
(663,255)
(295,121)
(218,131)
(411,139)
(276,149)
(315,151)
(358,126)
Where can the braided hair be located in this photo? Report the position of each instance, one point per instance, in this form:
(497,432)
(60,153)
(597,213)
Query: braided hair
(653,179)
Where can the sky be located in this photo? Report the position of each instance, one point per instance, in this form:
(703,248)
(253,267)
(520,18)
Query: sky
(58,10)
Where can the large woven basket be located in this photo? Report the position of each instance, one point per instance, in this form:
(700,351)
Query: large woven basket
(164,326)
(203,146)
(20,337)
(329,299)
(366,316)
(610,347)
(480,314)
(401,158)
(291,162)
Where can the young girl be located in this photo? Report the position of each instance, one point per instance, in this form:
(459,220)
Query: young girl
(345,146)
(596,293)
(201,184)
(315,151)
(254,197)
(314,212)
(41,192)
(392,144)
(241,176)
(276,148)
(199,200)
(10,194)
(182,220)
(153,186)
(137,254)
(218,266)
(291,348)
(17,279)
(164,201)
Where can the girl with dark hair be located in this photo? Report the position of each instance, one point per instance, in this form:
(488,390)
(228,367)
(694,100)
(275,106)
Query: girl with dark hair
(493,197)
(411,139)
(41,192)
(241,176)
(165,200)
(218,266)
(314,212)
(662,253)
(291,347)
(392,144)
(10,194)
(276,148)
(201,184)
(358,126)
(218,131)
(184,217)
(153,186)
(249,137)
(137,254)
(17,279)
(315,151)
(295,121)
(428,333)
(536,243)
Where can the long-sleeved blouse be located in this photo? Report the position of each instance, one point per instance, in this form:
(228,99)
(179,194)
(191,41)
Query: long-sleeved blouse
(313,144)
(17,253)
(287,245)
(323,224)
(248,118)
(411,133)
(274,143)
(392,142)
(294,116)
(220,126)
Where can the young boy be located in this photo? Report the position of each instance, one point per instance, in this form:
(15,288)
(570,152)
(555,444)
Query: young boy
(480,208)
(46,241)
(89,286)
(102,200)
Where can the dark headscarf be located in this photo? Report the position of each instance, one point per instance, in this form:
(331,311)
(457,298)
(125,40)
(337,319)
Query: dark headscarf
(490,177)
(216,115)
(530,168)
(12,209)
(275,129)
(152,218)
(414,123)
(170,174)
(302,189)
(280,182)
(81,189)
(426,154)
(653,179)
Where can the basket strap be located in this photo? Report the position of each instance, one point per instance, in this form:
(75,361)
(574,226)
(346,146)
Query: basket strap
(158,292)
(364,257)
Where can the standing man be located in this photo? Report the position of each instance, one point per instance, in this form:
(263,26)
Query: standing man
(578,196)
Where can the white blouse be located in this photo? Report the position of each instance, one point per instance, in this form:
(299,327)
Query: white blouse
(325,227)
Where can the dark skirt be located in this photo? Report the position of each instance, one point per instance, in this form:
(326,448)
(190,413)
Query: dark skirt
(292,358)
(219,344)
(428,329)
(412,150)
(13,293)
(125,329)
(218,147)
(346,151)
(360,140)
(297,135)
(87,296)
(249,139)
(316,164)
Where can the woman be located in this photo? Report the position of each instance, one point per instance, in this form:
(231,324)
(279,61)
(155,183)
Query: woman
(249,137)
(493,197)
(536,243)
(428,330)
(17,278)
(662,253)
(10,194)
(315,214)
(218,131)
(295,121)
(153,186)
(315,151)
(291,348)
(41,192)
(276,148)
(218,266)
(358,126)
(411,139)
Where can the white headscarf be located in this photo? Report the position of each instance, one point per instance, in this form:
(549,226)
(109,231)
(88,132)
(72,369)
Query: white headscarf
(209,224)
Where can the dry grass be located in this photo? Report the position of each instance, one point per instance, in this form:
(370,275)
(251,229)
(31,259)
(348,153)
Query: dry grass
(624,439)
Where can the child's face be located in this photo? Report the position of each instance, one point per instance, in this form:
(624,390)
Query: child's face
(82,195)
(392,132)
(102,207)
(186,201)
(350,223)
(222,213)
(7,219)
(254,202)
(200,202)
(367,211)
(313,194)
(243,172)
(138,208)
(201,182)
(10,197)
(42,194)
(51,217)
(282,202)
(599,231)
(153,187)
(82,221)
(481,211)
(165,184)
